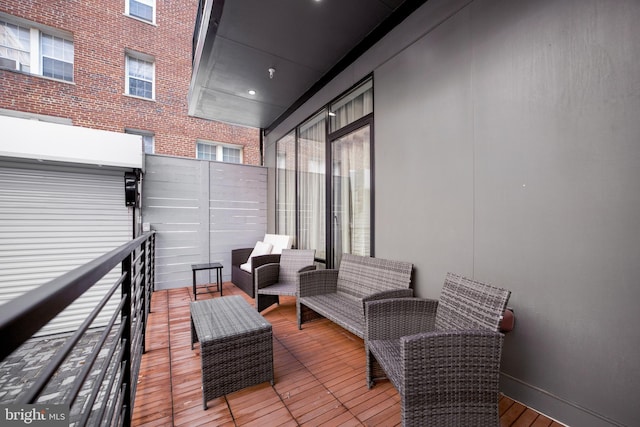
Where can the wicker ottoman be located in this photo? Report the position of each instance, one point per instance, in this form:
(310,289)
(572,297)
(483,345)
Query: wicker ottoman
(236,345)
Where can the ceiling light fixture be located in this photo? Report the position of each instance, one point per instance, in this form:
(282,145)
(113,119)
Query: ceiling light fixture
(252,92)
(272,71)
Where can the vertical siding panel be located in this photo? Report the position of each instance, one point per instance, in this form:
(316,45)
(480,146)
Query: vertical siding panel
(201,210)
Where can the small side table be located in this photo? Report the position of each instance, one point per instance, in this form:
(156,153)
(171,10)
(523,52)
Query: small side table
(210,266)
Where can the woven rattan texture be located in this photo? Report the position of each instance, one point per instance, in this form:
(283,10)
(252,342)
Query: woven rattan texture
(340,295)
(362,276)
(272,280)
(236,345)
(469,304)
(445,377)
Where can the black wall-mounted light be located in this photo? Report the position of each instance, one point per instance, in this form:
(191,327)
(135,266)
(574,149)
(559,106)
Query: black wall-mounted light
(130,189)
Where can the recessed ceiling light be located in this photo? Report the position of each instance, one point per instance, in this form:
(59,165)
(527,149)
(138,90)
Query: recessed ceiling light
(252,92)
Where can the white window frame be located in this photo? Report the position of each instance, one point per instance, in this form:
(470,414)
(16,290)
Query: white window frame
(219,149)
(151,3)
(235,148)
(35,47)
(140,57)
(54,57)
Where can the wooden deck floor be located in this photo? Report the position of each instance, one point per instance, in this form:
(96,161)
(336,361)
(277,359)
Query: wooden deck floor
(319,377)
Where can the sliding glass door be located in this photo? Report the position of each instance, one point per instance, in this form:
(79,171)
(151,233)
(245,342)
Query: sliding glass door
(324,179)
(351,194)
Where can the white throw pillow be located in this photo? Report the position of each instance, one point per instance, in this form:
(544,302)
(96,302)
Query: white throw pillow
(261,248)
(279,242)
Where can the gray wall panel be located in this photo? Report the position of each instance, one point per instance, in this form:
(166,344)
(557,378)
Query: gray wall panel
(201,210)
(558,191)
(237,209)
(172,203)
(429,138)
(522,115)
(507,149)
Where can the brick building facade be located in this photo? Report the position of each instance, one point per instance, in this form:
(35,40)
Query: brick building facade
(104,34)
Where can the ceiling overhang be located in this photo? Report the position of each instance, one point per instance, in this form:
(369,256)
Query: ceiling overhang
(281,50)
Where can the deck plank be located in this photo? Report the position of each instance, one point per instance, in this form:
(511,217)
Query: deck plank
(319,376)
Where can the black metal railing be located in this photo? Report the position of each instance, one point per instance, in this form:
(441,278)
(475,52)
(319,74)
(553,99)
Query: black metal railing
(104,382)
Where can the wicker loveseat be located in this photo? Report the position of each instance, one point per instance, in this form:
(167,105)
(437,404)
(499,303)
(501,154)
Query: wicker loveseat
(340,295)
(442,356)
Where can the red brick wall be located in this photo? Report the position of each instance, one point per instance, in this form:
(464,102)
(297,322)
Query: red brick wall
(101,34)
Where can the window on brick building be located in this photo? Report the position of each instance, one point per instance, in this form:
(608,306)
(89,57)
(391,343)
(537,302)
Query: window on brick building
(36,49)
(148,139)
(148,143)
(221,152)
(206,151)
(140,76)
(142,9)
(231,155)
(57,57)
(15,46)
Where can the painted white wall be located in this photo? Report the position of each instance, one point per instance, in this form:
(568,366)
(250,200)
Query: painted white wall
(32,139)
(507,149)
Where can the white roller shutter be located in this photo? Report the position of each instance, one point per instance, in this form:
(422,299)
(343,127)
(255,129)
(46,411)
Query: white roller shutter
(53,219)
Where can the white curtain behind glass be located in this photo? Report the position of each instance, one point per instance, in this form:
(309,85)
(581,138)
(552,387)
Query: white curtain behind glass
(352,194)
(311,182)
(352,107)
(286,189)
(352,175)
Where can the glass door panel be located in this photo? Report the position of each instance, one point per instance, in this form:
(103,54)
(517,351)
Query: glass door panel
(351,194)
(286,185)
(312,191)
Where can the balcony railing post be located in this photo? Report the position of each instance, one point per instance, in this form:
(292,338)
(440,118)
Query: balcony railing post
(127,270)
(148,284)
(145,297)
(152,285)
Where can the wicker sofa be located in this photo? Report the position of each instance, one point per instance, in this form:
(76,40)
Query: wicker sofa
(442,356)
(340,295)
(243,265)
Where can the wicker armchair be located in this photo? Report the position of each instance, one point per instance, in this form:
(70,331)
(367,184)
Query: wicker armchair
(243,264)
(273,280)
(442,356)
